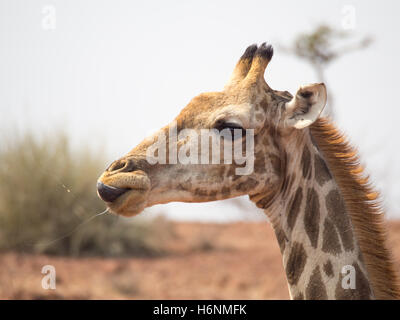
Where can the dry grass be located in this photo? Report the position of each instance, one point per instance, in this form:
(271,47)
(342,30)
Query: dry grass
(48,193)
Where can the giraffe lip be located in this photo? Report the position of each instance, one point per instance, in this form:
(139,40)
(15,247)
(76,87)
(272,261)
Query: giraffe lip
(131,203)
(124,194)
(109,193)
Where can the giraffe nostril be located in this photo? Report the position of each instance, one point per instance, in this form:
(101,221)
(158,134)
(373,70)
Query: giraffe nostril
(116,165)
(123,165)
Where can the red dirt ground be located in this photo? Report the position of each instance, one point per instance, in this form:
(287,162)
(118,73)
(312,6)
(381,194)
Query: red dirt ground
(211,261)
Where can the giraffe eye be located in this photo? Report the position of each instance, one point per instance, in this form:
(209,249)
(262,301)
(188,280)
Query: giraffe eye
(236,131)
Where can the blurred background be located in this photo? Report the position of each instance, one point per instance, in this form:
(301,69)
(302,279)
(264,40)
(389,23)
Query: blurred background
(82,82)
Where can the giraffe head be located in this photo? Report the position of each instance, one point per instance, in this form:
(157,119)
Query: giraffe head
(222,144)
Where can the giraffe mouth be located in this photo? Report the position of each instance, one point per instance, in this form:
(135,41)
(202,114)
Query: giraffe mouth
(129,204)
(125,194)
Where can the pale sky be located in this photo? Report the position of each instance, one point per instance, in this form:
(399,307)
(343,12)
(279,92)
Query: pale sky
(112,72)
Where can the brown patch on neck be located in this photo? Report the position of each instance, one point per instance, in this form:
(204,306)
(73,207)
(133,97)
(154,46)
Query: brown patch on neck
(296,263)
(330,243)
(338,213)
(306,163)
(316,289)
(362,290)
(328,269)
(321,171)
(312,216)
(362,283)
(294,209)
(363,207)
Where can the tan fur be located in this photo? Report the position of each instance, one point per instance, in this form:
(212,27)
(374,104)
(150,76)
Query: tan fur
(363,205)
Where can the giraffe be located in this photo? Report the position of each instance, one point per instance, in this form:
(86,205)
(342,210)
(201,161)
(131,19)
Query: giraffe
(305,177)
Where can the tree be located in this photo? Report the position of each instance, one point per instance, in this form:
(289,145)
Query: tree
(322,46)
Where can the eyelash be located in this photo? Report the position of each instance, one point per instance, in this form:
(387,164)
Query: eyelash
(231,126)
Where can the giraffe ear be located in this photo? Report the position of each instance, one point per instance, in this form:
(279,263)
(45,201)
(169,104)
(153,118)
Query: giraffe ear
(306,106)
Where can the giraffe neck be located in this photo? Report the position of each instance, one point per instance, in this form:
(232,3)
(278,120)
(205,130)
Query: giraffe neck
(321,255)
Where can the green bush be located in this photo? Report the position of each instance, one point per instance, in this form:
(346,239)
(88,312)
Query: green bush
(48,202)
